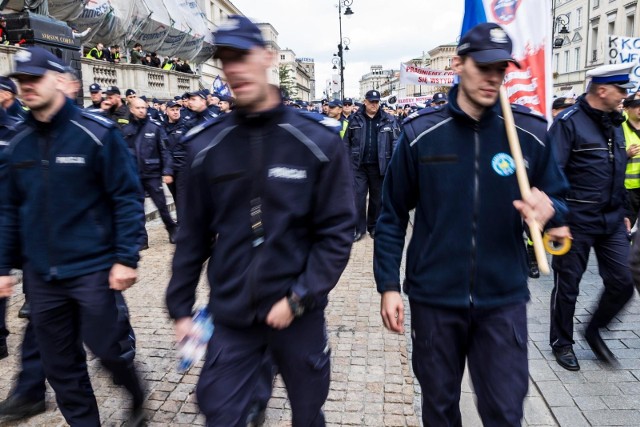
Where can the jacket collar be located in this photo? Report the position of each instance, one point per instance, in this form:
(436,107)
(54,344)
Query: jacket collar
(63,115)
(604,119)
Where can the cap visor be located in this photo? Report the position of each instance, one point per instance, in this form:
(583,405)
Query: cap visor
(28,71)
(629,85)
(231,42)
(492,56)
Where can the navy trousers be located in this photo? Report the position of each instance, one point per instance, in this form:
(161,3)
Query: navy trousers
(31,379)
(367,181)
(234,368)
(612,253)
(493,341)
(153,186)
(66,313)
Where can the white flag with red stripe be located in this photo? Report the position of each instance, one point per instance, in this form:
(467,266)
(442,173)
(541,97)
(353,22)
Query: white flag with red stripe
(528,23)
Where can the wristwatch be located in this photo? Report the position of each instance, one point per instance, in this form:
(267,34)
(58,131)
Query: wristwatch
(295,303)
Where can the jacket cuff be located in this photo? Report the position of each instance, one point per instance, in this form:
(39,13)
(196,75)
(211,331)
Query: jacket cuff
(127,263)
(389,286)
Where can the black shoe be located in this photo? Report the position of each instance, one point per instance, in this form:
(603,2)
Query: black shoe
(357,237)
(566,358)
(25,311)
(137,418)
(144,246)
(172,236)
(257,415)
(17,408)
(4,352)
(372,233)
(598,346)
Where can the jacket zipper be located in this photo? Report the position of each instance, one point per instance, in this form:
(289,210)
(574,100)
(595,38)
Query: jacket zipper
(53,270)
(476,201)
(256,210)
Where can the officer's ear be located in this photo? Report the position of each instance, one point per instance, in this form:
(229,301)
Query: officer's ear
(457,63)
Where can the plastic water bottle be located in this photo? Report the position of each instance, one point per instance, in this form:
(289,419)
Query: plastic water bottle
(194,345)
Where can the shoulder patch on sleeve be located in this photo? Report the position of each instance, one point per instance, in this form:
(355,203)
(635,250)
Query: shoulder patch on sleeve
(202,126)
(326,121)
(97,118)
(521,109)
(567,113)
(420,113)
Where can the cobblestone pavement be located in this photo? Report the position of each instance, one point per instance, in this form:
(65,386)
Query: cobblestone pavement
(372,382)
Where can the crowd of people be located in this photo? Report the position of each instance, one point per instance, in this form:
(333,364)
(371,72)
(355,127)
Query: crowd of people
(138,56)
(273,193)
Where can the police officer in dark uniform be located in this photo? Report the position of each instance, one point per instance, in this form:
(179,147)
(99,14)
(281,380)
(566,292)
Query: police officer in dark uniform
(370,138)
(78,247)
(590,148)
(27,395)
(199,111)
(262,180)
(186,114)
(175,130)
(438,99)
(147,142)
(466,275)
(8,100)
(118,112)
(8,126)
(96,96)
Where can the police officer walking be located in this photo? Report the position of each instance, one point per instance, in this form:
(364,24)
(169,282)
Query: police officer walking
(270,187)
(78,247)
(118,112)
(370,138)
(590,149)
(175,129)
(147,142)
(95,92)
(466,272)
(8,128)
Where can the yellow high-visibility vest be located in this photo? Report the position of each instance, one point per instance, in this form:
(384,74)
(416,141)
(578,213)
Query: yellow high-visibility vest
(632,174)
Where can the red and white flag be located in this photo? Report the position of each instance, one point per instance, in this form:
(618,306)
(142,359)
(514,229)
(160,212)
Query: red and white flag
(528,23)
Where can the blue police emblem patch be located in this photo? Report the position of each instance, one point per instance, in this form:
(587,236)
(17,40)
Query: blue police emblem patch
(503,164)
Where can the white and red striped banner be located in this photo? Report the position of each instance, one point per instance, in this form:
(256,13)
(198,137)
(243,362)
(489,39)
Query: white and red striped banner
(528,23)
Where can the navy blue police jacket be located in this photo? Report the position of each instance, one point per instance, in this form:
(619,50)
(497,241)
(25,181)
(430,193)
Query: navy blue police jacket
(590,148)
(307,214)
(175,132)
(457,173)
(72,205)
(147,142)
(388,132)
(9,127)
(194,119)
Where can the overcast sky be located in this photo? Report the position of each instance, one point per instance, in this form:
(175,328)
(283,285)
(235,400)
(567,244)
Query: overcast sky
(381,32)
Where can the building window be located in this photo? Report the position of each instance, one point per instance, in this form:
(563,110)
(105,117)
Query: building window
(281,57)
(556,59)
(576,60)
(596,3)
(566,61)
(611,28)
(630,24)
(579,17)
(594,44)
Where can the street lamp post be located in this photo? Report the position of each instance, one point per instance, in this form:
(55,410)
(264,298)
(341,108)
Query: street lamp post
(344,42)
(560,21)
